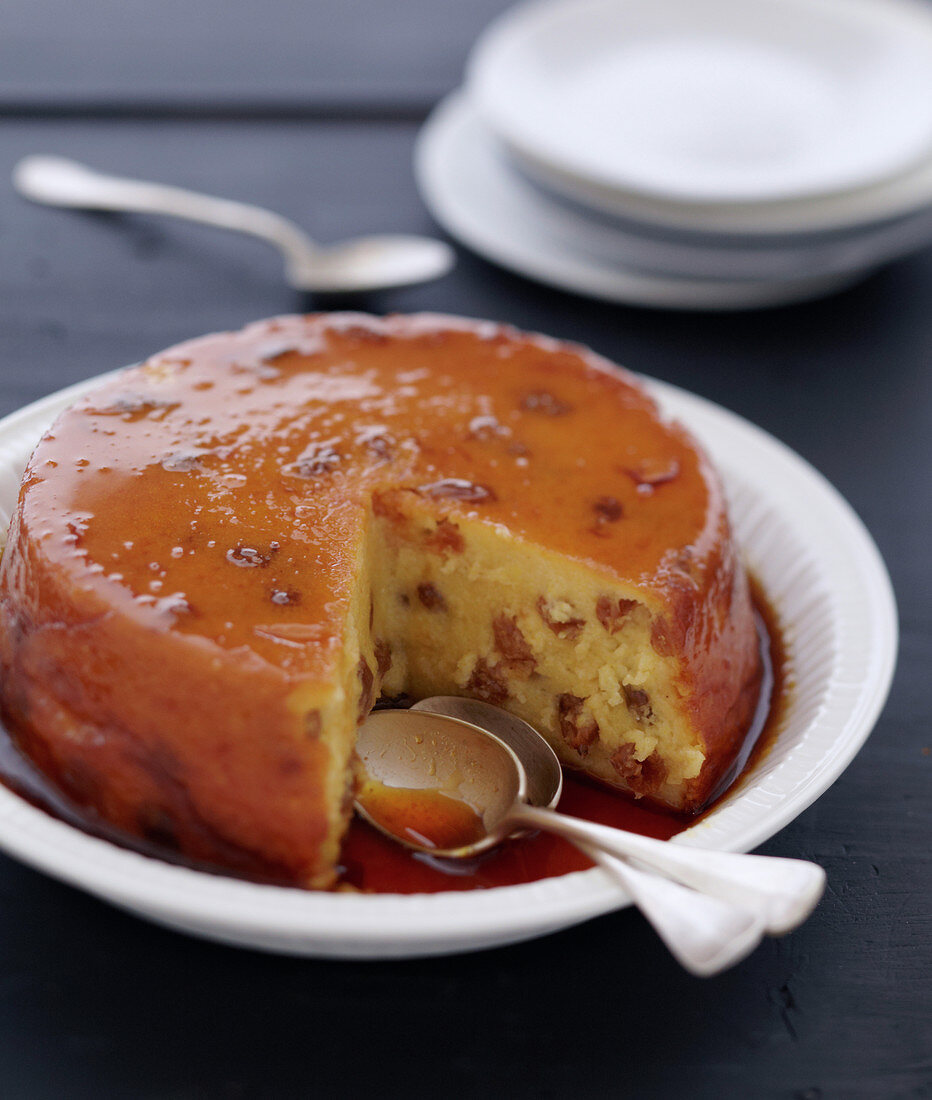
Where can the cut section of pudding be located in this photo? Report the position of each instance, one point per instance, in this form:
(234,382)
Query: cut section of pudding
(221,558)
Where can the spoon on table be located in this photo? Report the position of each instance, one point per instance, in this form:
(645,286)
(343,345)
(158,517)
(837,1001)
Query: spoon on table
(445,786)
(360,264)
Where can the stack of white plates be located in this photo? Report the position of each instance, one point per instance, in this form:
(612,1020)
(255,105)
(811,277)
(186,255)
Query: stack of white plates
(718,154)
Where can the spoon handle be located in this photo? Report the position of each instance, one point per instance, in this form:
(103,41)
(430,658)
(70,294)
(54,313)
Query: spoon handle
(703,933)
(58,181)
(783,892)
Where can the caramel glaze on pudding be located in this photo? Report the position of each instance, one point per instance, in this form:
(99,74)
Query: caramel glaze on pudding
(222,557)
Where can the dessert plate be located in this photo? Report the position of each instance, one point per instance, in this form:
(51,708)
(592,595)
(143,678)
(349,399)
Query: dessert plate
(713,103)
(472,191)
(824,578)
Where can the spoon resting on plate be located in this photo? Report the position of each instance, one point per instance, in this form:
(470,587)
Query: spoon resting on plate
(361,264)
(445,785)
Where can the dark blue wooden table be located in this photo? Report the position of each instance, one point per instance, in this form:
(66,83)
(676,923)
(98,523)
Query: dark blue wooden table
(312,109)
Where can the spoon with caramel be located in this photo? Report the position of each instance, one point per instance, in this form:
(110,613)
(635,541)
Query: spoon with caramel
(443,784)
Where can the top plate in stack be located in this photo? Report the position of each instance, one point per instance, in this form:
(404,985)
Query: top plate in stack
(719,104)
(795,126)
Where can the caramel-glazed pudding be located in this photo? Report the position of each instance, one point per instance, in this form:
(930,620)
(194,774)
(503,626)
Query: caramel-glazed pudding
(222,557)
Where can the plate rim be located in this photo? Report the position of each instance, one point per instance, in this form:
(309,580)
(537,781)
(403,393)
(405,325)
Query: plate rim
(348,925)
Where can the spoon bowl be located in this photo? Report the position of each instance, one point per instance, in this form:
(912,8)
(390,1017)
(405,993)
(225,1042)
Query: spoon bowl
(437,784)
(543,771)
(370,263)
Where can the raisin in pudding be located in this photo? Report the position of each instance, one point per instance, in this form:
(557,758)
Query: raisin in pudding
(223,557)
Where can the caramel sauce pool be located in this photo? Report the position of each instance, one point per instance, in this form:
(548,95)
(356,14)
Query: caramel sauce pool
(427,817)
(373,863)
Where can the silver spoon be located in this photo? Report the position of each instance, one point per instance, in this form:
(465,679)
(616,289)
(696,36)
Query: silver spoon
(361,264)
(733,901)
(782,891)
(706,939)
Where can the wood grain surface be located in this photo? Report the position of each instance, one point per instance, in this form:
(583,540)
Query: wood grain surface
(312,109)
(290,56)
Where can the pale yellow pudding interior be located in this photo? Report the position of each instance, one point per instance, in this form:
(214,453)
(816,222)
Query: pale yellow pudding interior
(469,609)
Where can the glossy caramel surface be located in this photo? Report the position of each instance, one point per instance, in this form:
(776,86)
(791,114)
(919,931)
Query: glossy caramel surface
(235,471)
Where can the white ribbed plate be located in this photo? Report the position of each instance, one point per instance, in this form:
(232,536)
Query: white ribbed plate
(829,586)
